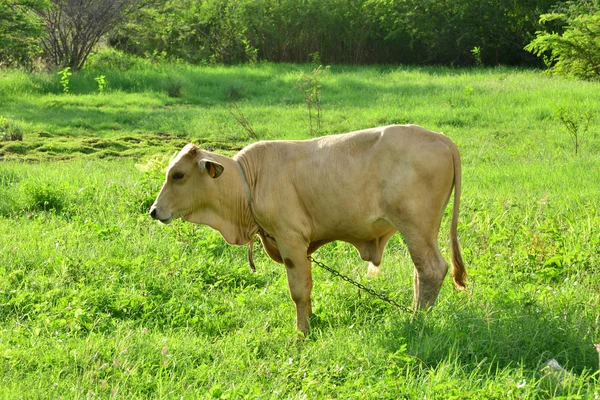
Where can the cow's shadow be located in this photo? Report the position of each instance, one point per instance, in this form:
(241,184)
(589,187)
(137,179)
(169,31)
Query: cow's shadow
(503,335)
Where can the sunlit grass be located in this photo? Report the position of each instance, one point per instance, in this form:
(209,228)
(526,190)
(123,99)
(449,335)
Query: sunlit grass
(97,300)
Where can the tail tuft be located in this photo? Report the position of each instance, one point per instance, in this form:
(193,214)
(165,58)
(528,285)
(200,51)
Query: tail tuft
(459,273)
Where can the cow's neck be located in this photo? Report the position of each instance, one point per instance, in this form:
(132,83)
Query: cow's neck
(229,211)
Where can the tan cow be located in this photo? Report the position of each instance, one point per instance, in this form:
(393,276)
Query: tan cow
(359,187)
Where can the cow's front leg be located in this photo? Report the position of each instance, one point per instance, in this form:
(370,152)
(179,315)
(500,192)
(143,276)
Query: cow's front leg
(299,277)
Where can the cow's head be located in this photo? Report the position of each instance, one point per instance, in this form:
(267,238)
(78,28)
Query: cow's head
(188,187)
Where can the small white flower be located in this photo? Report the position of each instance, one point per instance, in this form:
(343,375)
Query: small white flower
(521,384)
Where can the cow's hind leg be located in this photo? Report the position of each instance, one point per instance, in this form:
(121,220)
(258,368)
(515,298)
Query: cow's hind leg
(417,213)
(430,270)
(430,266)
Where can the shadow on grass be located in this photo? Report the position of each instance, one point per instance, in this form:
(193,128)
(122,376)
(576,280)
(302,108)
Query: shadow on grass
(497,334)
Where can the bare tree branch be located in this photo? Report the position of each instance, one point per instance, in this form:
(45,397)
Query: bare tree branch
(74,27)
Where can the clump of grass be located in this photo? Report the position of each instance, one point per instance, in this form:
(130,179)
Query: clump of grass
(234,93)
(8,195)
(45,196)
(175,88)
(9,130)
(8,177)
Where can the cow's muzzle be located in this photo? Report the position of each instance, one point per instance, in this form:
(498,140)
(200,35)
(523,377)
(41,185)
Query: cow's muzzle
(159,214)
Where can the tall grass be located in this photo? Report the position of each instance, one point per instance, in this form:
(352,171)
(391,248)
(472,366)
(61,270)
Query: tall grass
(502,110)
(96,300)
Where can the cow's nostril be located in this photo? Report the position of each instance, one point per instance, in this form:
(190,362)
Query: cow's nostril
(153,212)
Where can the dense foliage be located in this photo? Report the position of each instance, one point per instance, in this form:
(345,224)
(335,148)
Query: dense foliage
(461,32)
(341,31)
(571,46)
(20,31)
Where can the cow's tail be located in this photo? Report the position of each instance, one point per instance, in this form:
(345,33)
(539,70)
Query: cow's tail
(459,273)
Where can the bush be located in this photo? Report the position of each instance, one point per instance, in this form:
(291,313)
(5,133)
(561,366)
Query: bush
(575,52)
(115,60)
(188,30)
(20,31)
(341,31)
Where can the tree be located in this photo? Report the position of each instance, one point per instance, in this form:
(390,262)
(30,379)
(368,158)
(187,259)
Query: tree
(572,47)
(74,27)
(446,32)
(20,30)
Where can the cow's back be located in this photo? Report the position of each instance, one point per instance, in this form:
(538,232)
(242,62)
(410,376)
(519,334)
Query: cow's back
(340,184)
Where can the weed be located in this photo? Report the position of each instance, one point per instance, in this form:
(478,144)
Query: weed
(234,94)
(102,82)
(65,73)
(476,52)
(309,84)
(576,121)
(236,112)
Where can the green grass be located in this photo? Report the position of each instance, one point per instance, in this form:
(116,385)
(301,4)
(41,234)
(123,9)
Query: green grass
(97,300)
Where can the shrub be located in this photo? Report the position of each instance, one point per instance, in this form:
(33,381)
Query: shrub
(20,31)
(576,121)
(309,84)
(575,52)
(342,31)
(114,60)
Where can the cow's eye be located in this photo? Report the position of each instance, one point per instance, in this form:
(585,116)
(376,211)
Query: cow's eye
(177,175)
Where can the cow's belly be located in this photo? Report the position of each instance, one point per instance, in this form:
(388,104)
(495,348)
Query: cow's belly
(352,229)
(368,239)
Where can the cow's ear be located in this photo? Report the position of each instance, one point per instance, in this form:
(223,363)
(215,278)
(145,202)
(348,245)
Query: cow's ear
(213,168)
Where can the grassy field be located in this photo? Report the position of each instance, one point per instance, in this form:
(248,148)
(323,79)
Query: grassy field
(99,301)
